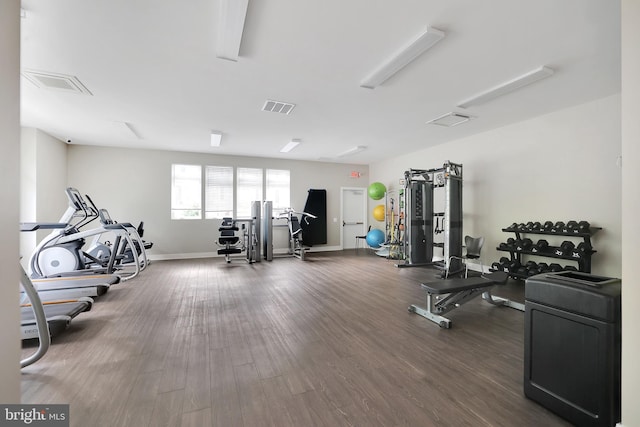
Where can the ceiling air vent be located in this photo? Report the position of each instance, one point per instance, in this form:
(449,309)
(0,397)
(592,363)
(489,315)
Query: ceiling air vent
(61,82)
(449,120)
(278,107)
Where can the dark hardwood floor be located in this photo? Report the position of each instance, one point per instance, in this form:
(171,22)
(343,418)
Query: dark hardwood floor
(324,342)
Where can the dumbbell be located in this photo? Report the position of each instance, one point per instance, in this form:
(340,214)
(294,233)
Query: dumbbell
(496,266)
(522,226)
(504,263)
(554,267)
(524,244)
(511,243)
(514,266)
(584,247)
(532,268)
(584,227)
(503,246)
(543,267)
(513,226)
(558,227)
(547,226)
(529,226)
(541,245)
(567,247)
(572,227)
(536,226)
(522,270)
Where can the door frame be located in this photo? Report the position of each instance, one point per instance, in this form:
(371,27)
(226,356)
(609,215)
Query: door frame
(365,209)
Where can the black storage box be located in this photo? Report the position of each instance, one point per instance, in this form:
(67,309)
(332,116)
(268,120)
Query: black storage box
(572,346)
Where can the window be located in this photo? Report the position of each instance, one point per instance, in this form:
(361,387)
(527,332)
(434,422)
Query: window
(249,188)
(218,192)
(221,198)
(186,192)
(278,189)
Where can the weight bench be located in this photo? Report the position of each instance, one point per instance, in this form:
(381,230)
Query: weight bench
(446,295)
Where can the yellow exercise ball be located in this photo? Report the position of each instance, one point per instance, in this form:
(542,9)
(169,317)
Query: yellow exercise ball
(378,213)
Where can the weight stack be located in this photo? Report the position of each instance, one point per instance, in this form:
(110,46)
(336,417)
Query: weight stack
(573,346)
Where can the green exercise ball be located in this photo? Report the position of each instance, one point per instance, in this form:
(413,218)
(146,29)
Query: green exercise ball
(376,190)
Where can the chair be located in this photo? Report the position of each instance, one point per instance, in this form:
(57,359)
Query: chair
(473,246)
(358,238)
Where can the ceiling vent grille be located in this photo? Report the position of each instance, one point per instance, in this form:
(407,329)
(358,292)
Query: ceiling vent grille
(450,120)
(60,82)
(278,107)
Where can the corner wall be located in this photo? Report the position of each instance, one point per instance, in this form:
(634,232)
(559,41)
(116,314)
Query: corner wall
(556,167)
(630,212)
(9,194)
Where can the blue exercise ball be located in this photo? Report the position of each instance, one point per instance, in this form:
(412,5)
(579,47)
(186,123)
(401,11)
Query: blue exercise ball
(375,238)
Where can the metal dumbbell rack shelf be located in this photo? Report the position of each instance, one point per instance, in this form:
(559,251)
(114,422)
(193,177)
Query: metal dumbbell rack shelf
(580,253)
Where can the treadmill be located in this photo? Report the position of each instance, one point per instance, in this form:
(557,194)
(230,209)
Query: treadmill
(58,314)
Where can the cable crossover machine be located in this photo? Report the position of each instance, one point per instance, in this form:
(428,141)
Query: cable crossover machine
(423,187)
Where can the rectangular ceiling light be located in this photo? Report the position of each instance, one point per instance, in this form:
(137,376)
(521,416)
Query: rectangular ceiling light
(216,138)
(403,57)
(507,87)
(352,151)
(290,146)
(230,28)
(449,120)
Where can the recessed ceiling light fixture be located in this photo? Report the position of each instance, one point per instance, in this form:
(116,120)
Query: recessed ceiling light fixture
(290,146)
(449,120)
(352,151)
(230,28)
(216,138)
(403,57)
(507,87)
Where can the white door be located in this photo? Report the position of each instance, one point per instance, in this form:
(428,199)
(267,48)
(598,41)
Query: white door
(354,216)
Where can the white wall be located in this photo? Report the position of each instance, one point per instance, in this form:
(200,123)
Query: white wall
(630,212)
(556,167)
(43,178)
(9,191)
(135,185)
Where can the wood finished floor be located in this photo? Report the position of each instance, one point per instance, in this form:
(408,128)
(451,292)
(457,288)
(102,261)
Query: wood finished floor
(325,342)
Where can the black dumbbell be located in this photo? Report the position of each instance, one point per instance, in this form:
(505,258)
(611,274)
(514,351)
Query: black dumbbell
(522,271)
(503,246)
(504,264)
(558,227)
(554,267)
(567,247)
(584,247)
(524,244)
(529,226)
(496,266)
(542,245)
(522,226)
(572,226)
(543,267)
(513,226)
(584,227)
(536,226)
(511,242)
(547,226)
(514,266)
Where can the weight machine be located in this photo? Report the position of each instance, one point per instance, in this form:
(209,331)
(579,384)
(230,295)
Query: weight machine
(296,245)
(420,189)
(250,243)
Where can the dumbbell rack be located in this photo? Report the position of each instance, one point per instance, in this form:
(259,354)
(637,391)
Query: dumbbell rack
(583,258)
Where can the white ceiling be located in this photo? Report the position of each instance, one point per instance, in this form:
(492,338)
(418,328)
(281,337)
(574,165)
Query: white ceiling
(152,64)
